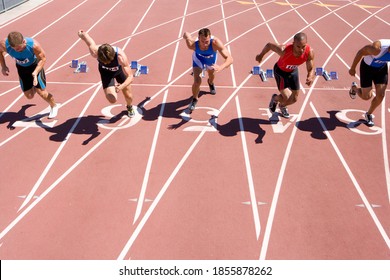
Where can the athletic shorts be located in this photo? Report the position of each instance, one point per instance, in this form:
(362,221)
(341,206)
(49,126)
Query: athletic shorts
(203,62)
(26,78)
(108,77)
(286,79)
(369,75)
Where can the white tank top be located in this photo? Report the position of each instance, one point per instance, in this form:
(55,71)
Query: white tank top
(382,58)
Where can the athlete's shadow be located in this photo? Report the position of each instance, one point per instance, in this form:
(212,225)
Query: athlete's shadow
(171,110)
(232,128)
(314,126)
(85,125)
(12,117)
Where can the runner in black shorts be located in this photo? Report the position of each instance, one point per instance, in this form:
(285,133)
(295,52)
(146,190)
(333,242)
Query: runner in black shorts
(373,70)
(113,66)
(30,59)
(286,70)
(286,79)
(26,79)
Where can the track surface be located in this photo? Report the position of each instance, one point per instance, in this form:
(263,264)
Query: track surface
(92,184)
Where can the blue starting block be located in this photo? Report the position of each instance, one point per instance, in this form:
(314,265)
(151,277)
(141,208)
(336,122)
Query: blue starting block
(81,67)
(139,69)
(320,71)
(264,75)
(75,63)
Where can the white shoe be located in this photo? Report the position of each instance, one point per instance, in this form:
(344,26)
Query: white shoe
(353,90)
(53,112)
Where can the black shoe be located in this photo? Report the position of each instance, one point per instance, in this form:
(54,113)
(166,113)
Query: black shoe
(212,88)
(284,112)
(192,105)
(369,120)
(130,111)
(272,103)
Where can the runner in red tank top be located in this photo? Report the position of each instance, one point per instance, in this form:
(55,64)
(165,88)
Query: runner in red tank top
(286,70)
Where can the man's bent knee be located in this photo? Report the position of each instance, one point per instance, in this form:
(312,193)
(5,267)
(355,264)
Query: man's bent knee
(29,94)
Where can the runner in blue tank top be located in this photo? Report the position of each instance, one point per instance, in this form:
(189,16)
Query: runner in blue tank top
(204,57)
(30,59)
(373,69)
(113,66)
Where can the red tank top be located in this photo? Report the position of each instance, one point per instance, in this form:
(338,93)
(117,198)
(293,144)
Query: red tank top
(288,62)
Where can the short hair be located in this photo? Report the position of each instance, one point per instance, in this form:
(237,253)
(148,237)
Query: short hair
(15,38)
(204,32)
(300,37)
(106,53)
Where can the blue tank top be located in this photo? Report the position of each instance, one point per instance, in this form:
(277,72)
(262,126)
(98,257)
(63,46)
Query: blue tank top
(24,58)
(206,54)
(382,58)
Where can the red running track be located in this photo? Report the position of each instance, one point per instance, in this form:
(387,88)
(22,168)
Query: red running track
(92,184)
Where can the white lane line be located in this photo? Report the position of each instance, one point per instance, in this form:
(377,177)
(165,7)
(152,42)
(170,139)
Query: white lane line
(166,186)
(60,18)
(17,16)
(56,154)
(141,197)
(71,47)
(385,149)
(154,204)
(30,207)
(311,27)
(159,196)
(271,215)
(249,175)
(145,181)
(353,179)
(62,105)
(227,40)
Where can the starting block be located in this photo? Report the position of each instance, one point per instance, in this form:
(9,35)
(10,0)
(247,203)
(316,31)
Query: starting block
(320,71)
(140,69)
(264,75)
(81,67)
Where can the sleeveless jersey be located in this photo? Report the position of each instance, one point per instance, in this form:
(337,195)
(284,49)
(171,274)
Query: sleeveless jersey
(382,58)
(288,62)
(113,66)
(206,55)
(24,58)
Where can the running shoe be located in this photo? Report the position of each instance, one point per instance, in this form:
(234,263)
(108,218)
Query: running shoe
(130,111)
(284,112)
(353,90)
(369,120)
(212,88)
(192,105)
(272,103)
(53,112)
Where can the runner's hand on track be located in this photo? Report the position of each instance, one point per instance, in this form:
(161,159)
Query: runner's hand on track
(5,71)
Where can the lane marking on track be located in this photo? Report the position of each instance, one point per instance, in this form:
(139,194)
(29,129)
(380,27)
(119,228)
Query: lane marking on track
(78,40)
(30,207)
(58,151)
(271,216)
(326,5)
(286,4)
(368,6)
(353,179)
(18,17)
(26,127)
(143,221)
(251,186)
(158,127)
(384,148)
